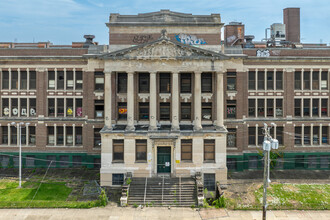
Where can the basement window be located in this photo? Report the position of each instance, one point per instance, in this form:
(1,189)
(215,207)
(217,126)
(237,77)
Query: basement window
(117,179)
(209,181)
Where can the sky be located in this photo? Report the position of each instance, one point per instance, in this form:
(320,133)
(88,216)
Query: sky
(66,21)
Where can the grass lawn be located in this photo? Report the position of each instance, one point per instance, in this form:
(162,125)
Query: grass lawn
(50,194)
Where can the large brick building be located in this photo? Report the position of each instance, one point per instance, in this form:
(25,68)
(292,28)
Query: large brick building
(170,98)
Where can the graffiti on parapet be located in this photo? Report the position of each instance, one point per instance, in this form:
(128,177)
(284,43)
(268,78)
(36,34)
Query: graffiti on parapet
(140,39)
(189,39)
(263,53)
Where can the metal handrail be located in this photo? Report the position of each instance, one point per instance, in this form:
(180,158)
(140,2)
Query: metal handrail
(145,191)
(163,191)
(180,186)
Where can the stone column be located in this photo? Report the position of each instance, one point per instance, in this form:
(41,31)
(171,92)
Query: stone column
(198,101)
(107,99)
(219,101)
(130,101)
(175,101)
(153,102)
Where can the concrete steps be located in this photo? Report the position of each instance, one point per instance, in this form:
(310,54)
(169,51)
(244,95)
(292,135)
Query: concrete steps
(162,192)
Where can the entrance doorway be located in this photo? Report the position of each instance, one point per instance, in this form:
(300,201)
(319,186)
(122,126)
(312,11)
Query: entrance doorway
(163,159)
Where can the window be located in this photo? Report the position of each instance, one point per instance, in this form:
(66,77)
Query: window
(307,80)
(315,80)
(279,107)
(261,108)
(33,80)
(144,82)
(315,107)
(231,163)
(51,107)
(5,107)
(206,79)
(51,160)
(141,150)
(297,137)
(99,108)
(14,80)
(270,80)
(185,79)
(79,109)
(23,84)
(231,81)
(164,83)
(79,80)
(316,137)
(117,179)
(5,135)
(306,107)
(118,150)
(253,162)
(23,136)
(209,150)
(252,107)
(206,111)
(30,161)
(299,161)
(280,135)
(69,136)
(64,161)
(97,137)
(32,135)
(5,80)
(50,135)
(260,136)
(297,107)
(122,83)
(69,108)
(297,80)
(261,80)
(14,107)
(122,110)
(231,108)
(324,107)
(324,161)
(324,80)
(69,80)
(252,135)
(325,138)
(79,135)
(59,135)
(270,107)
(209,181)
(185,111)
(51,80)
(99,81)
(23,110)
(144,110)
(231,137)
(60,108)
(252,80)
(164,111)
(279,80)
(186,150)
(33,107)
(307,135)
(312,161)
(60,79)
(76,161)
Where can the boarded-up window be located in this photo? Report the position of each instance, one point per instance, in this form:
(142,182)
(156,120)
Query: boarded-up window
(209,150)
(141,150)
(186,150)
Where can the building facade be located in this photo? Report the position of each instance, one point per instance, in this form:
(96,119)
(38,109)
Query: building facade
(165,97)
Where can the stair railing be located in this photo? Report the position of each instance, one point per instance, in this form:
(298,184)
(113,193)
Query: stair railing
(163,191)
(180,186)
(145,191)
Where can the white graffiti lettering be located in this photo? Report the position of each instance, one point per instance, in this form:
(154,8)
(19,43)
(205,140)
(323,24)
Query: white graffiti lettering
(189,39)
(263,53)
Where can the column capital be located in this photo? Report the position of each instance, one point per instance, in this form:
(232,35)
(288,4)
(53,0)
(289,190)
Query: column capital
(130,72)
(220,72)
(198,72)
(109,72)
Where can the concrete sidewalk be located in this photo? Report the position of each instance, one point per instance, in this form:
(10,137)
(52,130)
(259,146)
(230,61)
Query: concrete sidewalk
(118,213)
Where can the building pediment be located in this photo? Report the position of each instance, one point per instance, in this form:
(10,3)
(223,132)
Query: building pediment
(163,48)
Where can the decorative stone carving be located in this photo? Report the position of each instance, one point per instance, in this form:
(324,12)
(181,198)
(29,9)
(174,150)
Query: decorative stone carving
(207,96)
(165,96)
(99,95)
(144,96)
(231,95)
(122,97)
(185,96)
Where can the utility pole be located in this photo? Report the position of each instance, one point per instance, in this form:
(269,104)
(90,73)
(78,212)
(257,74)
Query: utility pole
(268,144)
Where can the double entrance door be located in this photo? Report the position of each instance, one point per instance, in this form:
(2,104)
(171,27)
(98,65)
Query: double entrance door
(163,159)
